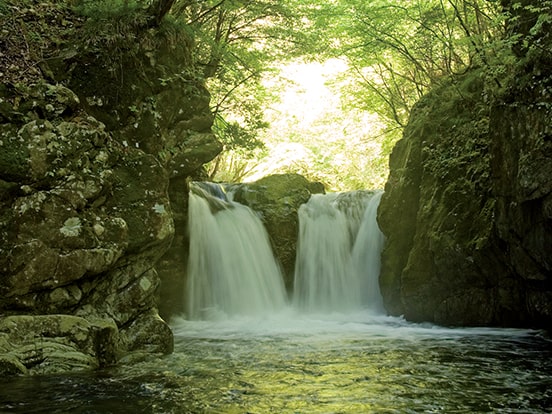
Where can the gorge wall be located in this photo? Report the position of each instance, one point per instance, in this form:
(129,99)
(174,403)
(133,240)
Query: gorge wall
(467,209)
(101,123)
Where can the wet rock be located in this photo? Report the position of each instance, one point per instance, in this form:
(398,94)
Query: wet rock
(277,198)
(150,334)
(67,343)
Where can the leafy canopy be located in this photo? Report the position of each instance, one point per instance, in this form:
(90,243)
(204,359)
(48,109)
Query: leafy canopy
(394,52)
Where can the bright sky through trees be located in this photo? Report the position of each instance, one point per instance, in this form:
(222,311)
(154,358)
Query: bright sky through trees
(296,84)
(313,133)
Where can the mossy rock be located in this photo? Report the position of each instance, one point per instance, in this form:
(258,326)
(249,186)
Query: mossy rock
(464,210)
(277,199)
(46,344)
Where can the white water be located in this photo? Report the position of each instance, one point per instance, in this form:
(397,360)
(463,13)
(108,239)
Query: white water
(231,268)
(232,271)
(323,273)
(338,263)
(366,256)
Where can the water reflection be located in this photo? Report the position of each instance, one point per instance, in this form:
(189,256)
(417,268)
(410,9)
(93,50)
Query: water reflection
(353,364)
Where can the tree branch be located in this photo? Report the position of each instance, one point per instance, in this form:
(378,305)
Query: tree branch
(158,10)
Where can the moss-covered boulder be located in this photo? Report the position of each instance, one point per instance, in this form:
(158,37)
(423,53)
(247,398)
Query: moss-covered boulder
(68,343)
(277,198)
(466,209)
(437,213)
(521,165)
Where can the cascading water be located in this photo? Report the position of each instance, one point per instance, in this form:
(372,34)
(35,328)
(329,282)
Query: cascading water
(232,271)
(337,265)
(366,256)
(323,270)
(231,268)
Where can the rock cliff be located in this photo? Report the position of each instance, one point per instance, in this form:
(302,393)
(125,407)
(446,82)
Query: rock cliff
(467,207)
(99,120)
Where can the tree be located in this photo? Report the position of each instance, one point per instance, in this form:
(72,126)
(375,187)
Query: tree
(158,9)
(398,49)
(235,43)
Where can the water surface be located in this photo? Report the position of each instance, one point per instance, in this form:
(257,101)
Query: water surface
(296,363)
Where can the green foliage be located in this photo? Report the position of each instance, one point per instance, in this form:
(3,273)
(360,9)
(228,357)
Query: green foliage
(105,9)
(396,51)
(235,43)
(241,144)
(235,136)
(401,49)
(311,133)
(534,23)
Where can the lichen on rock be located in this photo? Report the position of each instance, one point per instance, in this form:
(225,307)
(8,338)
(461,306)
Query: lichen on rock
(86,161)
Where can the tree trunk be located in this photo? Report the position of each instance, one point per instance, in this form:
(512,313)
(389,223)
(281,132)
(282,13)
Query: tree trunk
(158,10)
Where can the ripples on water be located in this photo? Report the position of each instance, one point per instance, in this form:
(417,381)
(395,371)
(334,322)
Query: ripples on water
(299,364)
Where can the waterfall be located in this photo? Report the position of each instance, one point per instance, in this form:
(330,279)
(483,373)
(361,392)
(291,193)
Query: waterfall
(323,266)
(366,256)
(337,265)
(231,268)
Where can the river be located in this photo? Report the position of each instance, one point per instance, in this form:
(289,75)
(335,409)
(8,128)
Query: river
(245,347)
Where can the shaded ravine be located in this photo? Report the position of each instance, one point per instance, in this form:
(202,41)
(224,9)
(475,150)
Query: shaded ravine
(297,358)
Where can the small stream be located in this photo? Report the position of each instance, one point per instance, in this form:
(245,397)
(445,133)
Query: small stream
(294,363)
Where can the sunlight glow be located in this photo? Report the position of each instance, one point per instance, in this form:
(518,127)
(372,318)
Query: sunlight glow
(313,132)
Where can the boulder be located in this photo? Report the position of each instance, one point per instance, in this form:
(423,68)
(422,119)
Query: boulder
(277,199)
(66,343)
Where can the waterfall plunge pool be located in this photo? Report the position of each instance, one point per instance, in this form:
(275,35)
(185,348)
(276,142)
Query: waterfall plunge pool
(246,348)
(297,363)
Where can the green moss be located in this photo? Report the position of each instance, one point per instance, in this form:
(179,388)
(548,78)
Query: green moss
(454,122)
(14,155)
(278,185)
(101,9)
